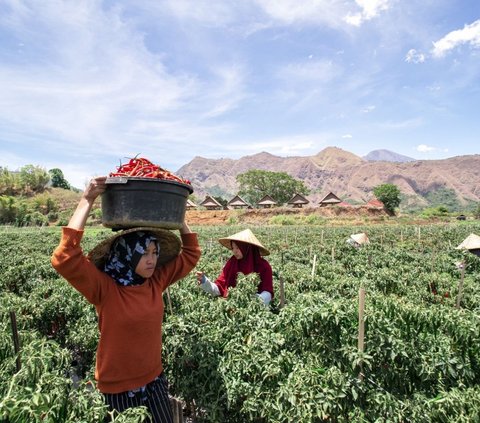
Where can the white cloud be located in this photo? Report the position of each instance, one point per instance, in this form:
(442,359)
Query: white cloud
(347,136)
(328,12)
(313,70)
(423,148)
(369,10)
(413,56)
(87,77)
(368,109)
(470,34)
(294,145)
(400,125)
(213,12)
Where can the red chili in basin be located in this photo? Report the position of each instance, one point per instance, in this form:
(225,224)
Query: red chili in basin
(144,168)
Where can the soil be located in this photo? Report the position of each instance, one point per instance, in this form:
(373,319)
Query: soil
(356,214)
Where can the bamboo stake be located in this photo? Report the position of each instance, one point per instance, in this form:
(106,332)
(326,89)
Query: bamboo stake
(460,286)
(177,410)
(314,265)
(333,254)
(169,300)
(361,327)
(282,293)
(432,268)
(16,339)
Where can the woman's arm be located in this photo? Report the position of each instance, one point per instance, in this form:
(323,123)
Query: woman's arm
(207,285)
(95,187)
(68,259)
(185,229)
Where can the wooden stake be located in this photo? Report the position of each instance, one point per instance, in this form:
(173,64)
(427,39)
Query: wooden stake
(314,265)
(460,286)
(333,254)
(16,339)
(361,326)
(282,293)
(169,300)
(177,410)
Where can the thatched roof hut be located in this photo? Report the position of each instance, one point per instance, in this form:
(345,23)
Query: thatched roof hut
(329,200)
(266,202)
(211,204)
(238,202)
(298,201)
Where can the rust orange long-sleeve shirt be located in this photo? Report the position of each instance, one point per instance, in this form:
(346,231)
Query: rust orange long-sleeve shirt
(129,353)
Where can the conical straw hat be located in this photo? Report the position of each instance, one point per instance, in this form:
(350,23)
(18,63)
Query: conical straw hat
(169,243)
(471,242)
(244,236)
(360,238)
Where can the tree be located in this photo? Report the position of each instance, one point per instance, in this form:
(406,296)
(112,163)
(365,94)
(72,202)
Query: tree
(33,178)
(9,182)
(389,195)
(476,212)
(58,180)
(255,184)
(221,200)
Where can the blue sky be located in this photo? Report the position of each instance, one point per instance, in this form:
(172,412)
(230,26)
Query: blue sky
(86,84)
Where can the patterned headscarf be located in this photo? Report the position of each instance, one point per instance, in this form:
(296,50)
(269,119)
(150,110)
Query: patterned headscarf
(124,256)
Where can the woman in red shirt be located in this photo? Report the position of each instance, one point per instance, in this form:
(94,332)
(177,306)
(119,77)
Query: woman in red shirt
(247,258)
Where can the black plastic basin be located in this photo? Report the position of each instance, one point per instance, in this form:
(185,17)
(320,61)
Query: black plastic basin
(130,202)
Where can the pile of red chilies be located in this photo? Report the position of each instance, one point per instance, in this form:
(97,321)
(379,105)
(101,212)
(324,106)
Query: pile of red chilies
(142,168)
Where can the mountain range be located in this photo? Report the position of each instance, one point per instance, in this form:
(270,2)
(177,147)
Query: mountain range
(350,177)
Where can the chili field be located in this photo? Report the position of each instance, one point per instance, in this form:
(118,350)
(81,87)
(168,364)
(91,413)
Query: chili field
(237,361)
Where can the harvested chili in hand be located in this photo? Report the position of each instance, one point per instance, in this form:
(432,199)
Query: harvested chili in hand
(143,168)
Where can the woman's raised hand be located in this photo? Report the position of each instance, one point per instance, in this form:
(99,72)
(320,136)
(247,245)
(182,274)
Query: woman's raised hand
(95,187)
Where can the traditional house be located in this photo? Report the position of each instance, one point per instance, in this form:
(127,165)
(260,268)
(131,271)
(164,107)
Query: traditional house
(238,202)
(375,203)
(266,202)
(330,200)
(211,204)
(190,204)
(298,201)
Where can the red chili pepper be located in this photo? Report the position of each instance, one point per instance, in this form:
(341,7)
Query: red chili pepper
(141,167)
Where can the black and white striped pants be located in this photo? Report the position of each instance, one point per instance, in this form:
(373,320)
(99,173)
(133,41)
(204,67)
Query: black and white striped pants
(154,397)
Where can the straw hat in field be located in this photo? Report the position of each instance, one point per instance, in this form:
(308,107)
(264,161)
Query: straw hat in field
(246,236)
(169,243)
(471,242)
(360,239)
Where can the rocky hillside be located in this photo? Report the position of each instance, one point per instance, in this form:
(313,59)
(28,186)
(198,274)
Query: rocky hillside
(350,177)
